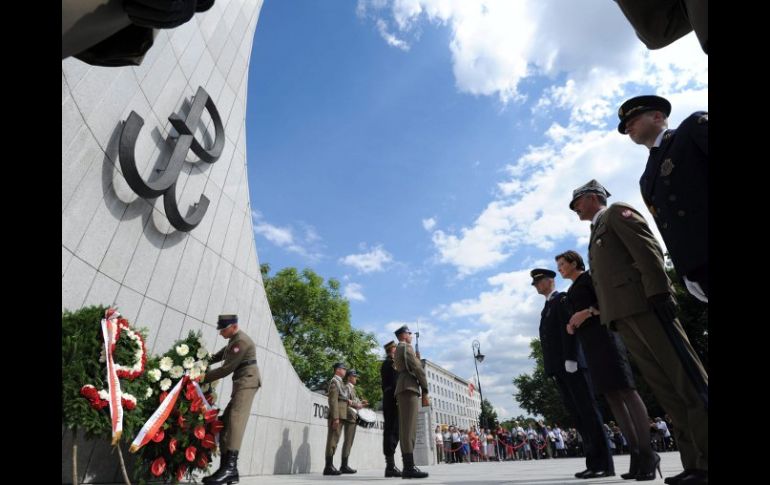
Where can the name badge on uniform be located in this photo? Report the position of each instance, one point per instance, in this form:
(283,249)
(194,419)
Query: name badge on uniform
(666,167)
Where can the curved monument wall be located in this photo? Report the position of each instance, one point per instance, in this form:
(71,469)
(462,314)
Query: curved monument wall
(118,248)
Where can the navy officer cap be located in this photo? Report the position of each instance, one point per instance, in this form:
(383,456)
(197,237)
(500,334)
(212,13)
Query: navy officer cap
(339,365)
(638,105)
(401,330)
(225,321)
(352,372)
(539,273)
(591,187)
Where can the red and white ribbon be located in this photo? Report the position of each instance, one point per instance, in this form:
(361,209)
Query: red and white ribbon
(110,335)
(152,426)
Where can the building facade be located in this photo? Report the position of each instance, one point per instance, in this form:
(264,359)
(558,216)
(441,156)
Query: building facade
(455,401)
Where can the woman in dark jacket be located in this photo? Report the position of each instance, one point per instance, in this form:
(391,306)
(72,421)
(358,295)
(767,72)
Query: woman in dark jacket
(608,365)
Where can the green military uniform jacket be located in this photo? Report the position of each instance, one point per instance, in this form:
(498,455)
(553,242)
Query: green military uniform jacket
(352,414)
(239,349)
(411,376)
(626,263)
(338,396)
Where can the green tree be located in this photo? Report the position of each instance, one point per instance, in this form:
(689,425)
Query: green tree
(537,393)
(488,417)
(313,319)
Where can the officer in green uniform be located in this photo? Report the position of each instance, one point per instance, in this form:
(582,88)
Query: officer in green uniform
(349,424)
(339,400)
(411,380)
(389,378)
(635,298)
(658,23)
(240,360)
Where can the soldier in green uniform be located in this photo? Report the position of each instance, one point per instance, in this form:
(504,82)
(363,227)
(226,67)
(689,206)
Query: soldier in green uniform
(389,378)
(339,400)
(411,380)
(349,424)
(636,300)
(240,360)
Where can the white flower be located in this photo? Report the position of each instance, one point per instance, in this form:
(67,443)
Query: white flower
(154,374)
(166,363)
(104,395)
(182,350)
(149,391)
(128,397)
(102,358)
(201,364)
(195,373)
(165,384)
(202,353)
(188,362)
(176,372)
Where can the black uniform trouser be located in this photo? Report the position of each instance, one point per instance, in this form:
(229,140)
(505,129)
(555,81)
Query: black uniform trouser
(390,432)
(578,396)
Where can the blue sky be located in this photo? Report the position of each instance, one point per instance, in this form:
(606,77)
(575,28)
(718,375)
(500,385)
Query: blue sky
(423,153)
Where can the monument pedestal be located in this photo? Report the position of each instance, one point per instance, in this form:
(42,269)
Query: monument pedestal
(424,444)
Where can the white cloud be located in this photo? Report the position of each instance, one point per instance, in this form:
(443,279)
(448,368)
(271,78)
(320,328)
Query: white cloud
(374,260)
(353,292)
(284,237)
(391,39)
(429,224)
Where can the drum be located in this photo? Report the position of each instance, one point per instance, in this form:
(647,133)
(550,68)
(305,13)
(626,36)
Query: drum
(366,418)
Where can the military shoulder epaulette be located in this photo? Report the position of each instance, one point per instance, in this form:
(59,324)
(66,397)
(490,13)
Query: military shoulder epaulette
(703,119)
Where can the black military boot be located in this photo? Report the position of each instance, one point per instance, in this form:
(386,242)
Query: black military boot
(228,470)
(345,468)
(411,471)
(329,468)
(390,469)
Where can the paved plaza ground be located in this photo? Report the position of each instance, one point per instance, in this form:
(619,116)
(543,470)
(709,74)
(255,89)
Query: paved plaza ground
(538,472)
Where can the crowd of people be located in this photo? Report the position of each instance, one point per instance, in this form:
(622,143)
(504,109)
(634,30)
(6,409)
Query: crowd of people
(535,441)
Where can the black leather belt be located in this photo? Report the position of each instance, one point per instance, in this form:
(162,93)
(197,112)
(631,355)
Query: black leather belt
(246,363)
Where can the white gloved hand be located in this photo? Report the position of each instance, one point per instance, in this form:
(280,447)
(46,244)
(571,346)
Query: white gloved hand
(695,290)
(570,365)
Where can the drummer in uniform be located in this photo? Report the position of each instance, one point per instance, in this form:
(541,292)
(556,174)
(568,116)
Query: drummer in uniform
(349,423)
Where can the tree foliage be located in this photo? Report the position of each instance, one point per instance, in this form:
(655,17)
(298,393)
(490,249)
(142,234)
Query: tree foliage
(313,319)
(488,418)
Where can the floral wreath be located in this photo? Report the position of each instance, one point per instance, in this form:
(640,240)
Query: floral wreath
(99,398)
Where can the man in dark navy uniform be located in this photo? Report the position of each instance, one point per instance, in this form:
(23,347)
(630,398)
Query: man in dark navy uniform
(675,183)
(564,361)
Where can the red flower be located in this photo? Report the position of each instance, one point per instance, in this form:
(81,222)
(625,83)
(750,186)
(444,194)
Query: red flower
(163,396)
(89,392)
(128,404)
(210,398)
(200,431)
(189,453)
(172,445)
(208,442)
(202,461)
(190,392)
(158,466)
(211,415)
(197,405)
(216,426)
(159,436)
(180,472)
(180,422)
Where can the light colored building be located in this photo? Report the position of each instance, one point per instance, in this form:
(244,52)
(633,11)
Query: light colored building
(454,401)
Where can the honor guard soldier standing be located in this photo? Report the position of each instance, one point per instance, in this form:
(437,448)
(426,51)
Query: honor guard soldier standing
(350,422)
(675,183)
(563,360)
(240,360)
(339,400)
(635,299)
(411,380)
(389,410)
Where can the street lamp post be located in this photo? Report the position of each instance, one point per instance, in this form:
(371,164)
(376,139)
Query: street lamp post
(478,357)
